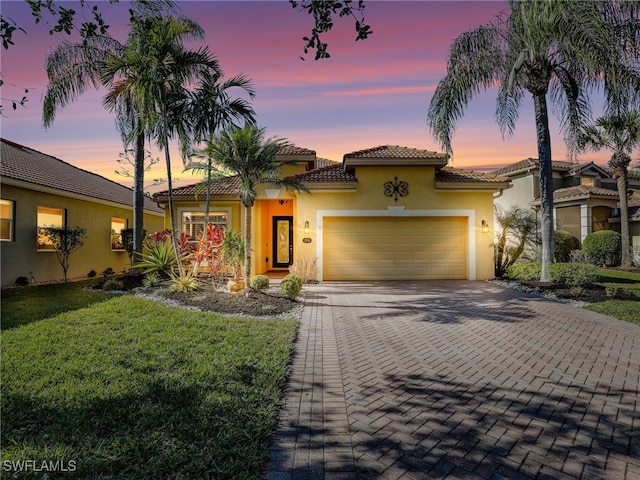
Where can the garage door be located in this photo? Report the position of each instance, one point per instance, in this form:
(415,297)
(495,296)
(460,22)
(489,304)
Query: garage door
(397,248)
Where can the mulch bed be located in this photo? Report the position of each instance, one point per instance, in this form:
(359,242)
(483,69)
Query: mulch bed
(247,302)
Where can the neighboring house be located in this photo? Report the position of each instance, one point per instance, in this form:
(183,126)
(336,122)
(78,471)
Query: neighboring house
(585,196)
(39,190)
(384,213)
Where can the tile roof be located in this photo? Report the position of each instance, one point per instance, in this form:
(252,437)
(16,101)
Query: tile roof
(331,176)
(227,186)
(30,166)
(568,168)
(580,191)
(528,163)
(325,162)
(293,150)
(395,151)
(461,176)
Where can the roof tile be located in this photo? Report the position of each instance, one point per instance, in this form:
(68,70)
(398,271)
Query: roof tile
(30,166)
(394,151)
(457,175)
(583,190)
(227,186)
(329,174)
(293,150)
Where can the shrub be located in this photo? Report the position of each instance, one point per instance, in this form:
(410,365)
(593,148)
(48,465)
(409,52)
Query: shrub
(22,281)
(524,271)
(161,258)
(151,279)
(603,247)
(574,274)
(515,237)
(565,243)
(112,284)
(259,282)
(66,240)
(232,252)
(291,286)
(306,268)
(108,271)
(187,282)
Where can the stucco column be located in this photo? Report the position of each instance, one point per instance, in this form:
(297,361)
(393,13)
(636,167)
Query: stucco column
(585,221)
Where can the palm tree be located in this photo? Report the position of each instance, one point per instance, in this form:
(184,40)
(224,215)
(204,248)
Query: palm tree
(620,133)
(207,167)
(545,48)
(173,88)
(73,68)
(246,153)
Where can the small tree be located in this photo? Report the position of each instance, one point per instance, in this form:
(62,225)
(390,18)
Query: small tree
(518,227)
(66,241)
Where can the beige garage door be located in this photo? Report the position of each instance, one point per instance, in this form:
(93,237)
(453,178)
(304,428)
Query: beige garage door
(398,248)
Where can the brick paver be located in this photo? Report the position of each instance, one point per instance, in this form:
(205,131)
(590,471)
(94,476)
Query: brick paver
(421,380)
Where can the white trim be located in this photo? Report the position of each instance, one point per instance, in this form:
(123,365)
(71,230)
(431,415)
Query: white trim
(198,209)
(398,211)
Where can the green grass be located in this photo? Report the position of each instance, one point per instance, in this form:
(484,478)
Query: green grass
(130,388)
(627,310)
(23,305)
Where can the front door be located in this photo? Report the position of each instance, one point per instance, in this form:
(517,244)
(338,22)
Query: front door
(282,241)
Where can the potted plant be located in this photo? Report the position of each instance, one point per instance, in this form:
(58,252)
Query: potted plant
(232,253)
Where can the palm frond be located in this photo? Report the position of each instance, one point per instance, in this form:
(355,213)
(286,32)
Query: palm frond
(475,64)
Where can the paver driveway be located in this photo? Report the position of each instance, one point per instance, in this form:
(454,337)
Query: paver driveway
(420,380)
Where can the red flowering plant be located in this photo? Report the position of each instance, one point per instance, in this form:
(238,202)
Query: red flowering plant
(156,238)
(208,248)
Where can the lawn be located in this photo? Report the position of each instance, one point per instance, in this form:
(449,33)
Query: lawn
(24,305)
(614,281)
(131,388)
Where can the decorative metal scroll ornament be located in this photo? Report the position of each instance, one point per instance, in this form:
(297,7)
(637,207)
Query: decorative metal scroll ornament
(396,189)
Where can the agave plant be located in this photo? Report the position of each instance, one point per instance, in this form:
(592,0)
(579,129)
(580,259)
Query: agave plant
(161,258)
(187,282)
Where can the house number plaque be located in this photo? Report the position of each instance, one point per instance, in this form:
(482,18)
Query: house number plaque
(396,189)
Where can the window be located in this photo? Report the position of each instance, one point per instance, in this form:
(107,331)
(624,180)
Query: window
(587,181)
(193,223)
(6,220)
(48,217)
(117,225)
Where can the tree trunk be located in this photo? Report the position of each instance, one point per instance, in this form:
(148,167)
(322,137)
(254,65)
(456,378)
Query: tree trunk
(546,184)
(247,244)
(624,217)
(172,220)
(138,199)
(208,195)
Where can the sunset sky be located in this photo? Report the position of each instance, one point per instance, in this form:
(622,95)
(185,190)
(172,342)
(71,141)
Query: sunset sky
(369,93)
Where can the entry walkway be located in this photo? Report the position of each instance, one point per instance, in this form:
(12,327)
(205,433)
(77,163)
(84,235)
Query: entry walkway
(422,380)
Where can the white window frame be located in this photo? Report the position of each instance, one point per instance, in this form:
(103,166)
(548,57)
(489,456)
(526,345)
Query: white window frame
(11,204)
(201,210)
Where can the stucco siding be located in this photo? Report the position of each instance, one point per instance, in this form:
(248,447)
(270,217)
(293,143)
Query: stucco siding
(20,256)
(422,201)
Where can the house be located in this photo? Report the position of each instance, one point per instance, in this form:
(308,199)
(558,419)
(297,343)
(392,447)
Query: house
(384,213)
(585,196)
(39,190)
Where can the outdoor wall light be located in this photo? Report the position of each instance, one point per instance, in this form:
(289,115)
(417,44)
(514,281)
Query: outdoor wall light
(307,238)
(485,226)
